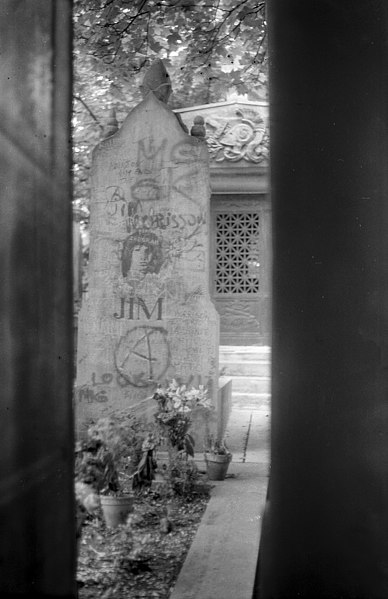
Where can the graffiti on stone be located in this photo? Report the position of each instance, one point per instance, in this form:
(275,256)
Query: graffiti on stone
(180,247)
(136,308)
(165,219)
(116,200)
(156,238)
(95,392)
(183,185)
(122,166)
(117,206)
(145,253)
(85,393)
(151,286)
(145,189)
(150,155)
(194,294)
(142,254)
(157,292)
(149,298)
(187,151)
(106,378)
(142,356)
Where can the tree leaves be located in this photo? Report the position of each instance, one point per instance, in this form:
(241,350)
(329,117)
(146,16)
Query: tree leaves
(210,47)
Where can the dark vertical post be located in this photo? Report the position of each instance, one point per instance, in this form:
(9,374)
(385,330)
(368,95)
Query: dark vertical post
(325,532)
(37,554)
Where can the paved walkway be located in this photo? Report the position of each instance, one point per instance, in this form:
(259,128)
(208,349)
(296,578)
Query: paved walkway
(221,563)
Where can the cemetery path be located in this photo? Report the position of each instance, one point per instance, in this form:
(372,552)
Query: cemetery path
(222,560)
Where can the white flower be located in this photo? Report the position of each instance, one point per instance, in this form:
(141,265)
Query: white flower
(173,386)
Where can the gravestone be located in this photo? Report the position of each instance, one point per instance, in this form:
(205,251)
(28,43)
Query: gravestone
(148,316)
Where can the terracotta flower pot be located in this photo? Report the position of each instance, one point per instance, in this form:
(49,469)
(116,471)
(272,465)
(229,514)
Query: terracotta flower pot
(217,465)
(116,509)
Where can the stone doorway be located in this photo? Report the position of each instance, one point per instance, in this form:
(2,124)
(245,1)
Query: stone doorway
(240,268)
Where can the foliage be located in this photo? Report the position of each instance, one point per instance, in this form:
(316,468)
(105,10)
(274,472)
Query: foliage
(176,405)
(174,416)
(183,474)
(130,551)
(94,466)
(145,470)
(210,48)
(216,446)
(113,449)
(119,448)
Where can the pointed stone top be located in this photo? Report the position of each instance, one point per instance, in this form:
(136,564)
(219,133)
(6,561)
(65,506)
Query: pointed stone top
(198,129)
(111,125)
(157,80)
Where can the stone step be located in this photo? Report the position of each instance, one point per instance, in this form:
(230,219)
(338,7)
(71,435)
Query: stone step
(240,354)
(251,384)
(251,401)
(262,349)
(237,356)
(233,367)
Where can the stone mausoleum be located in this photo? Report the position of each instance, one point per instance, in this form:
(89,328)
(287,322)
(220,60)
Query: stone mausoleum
(237,137)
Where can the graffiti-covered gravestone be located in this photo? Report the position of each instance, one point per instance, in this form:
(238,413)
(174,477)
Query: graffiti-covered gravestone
(148,316)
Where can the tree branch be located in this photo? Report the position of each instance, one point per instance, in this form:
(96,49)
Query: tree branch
(89,111)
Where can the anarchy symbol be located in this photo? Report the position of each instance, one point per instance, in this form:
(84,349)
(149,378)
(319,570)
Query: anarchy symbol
(142,356)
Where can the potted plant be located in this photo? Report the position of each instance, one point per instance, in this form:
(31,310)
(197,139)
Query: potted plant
(217,458)
(176,405)
(112,454)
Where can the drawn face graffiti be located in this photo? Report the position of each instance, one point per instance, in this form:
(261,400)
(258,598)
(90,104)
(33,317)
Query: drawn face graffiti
(141,259)
(142,254)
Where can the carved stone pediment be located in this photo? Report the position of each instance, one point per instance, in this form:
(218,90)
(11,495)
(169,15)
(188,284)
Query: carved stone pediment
(235,131)
(242,137)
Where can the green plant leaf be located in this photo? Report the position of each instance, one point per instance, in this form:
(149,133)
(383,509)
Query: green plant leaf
(189,445)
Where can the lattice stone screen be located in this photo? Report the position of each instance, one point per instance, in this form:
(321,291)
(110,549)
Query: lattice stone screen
(237,253)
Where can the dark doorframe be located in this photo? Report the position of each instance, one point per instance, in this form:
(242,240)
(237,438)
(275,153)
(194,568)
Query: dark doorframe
(37,540)
(326,521)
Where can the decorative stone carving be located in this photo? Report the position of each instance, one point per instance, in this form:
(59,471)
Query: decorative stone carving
(237,253)
(242,137)
(237,316)
(198,129)
(111,125)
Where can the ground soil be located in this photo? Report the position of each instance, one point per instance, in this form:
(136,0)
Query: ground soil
(143,557)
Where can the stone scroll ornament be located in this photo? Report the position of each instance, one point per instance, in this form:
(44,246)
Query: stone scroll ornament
(148,316)
(242,137)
